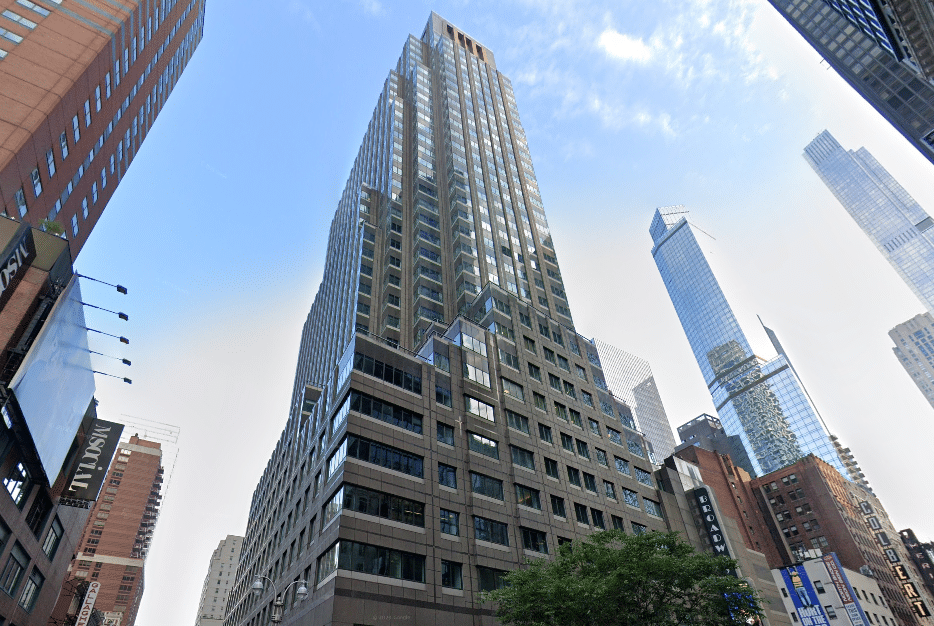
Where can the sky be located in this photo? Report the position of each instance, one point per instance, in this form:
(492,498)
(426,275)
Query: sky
(219,227)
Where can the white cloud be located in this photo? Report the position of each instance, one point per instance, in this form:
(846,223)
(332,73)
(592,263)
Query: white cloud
(623,47)
(373,7)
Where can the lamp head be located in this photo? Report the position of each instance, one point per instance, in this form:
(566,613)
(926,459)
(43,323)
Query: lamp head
(302,591)
(257,587)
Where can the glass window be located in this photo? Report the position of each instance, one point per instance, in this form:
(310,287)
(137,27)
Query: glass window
(478,408)
(535,372)
(490,530)
(652,507)
(567,442)
(31,590)
(590,482)
(544,433)
(551,467)
(490,579)
(609,489)
(557,506)
(597,517)
(630,497)
(638,529)
(451,576)
(529,497)
(13,571)
(522,457)
(580,512)
(447,475)
(483,445)
(534,540)
(644,477)
(486,485)
(601,457)
(445,434)
(450,522)
(517,421)
(574,476)
(582,449)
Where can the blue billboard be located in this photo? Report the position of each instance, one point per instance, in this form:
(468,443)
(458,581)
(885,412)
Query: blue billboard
(804,597)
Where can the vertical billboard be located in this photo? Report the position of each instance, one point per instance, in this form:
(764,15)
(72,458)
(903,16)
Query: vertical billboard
(54,384)
(93,460)
(842,585)
(802,593)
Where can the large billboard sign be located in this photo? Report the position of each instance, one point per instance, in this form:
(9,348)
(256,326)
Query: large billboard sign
(54,384)
(802,593)
(93,460)
(842,585)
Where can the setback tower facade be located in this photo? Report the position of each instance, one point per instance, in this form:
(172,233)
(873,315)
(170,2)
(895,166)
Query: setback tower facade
(447,421)
(219,581)
(81,86)
(914,349)
(762,401)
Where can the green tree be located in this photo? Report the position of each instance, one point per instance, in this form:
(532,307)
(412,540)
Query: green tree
(52,227)
(615,579)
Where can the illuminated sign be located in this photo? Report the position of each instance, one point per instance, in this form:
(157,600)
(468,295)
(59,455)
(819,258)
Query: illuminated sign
(87,607)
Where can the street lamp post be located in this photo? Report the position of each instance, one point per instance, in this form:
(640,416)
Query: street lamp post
(258,588)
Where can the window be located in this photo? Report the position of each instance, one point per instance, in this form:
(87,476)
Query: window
(539,401)
(580,512)
(94,192)
(643,477)
(87,113)
(594,427)
(31,590)
(447,476)
(490,579)
(445,434)
(582,449)
(631,497)
(652,507)
(76,129)
(567,442)
(529,497)
(609,489)
(488,530)
(528,343)
(601,457)
(569,389)
(442,362)
(393,375)
(378,409)
(831,613)
(597,517)
(483,445)
(544,433)
(614,436)
(576,418)
(555,382)
(478,375)
(509,359)
(535,372)
(551,467)
(443,396)
(818,585)
(587,398)
(13,572)
(63,142)
(369,559)
(638,529)
(561,411)
(550,356)
(590,482)
(384,456)
(519,422)
(19,198)
(97,97)
(522,457)
(17,483)
(486,485)
(581,372)
(450,522)
(478,408)
(380,504)
(557,506)
(451,576)
(574,476)
(534,540)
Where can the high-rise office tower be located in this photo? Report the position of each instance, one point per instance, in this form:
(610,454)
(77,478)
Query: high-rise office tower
(761,401)
(118,534)
(81,86)
(914,349)
(630,379)
(219,581)
(896,224)
(447,419)
(868,48)
(706,432)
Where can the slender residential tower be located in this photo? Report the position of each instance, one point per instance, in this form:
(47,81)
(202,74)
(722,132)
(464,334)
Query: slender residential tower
(762,401)
(81,85)
(447,421)
(896,224)
(219,581)
(884,55)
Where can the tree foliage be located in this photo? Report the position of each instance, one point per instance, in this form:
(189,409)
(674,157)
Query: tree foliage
(614,579)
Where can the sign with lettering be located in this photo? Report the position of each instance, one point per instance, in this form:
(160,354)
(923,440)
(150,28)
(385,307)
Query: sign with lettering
(19,255)
(710,521)
(98,449)
(842,584)
(87,607)
(810,612)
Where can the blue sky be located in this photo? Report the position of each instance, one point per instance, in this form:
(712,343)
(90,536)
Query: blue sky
(219,228)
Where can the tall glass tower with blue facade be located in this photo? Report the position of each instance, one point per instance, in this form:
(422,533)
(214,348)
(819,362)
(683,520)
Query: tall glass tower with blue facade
(896,224)
(762,401)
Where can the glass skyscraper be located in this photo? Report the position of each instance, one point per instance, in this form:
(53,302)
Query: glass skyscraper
(630,379)
(447,420)
(761,401)
(896,224)
(914,349)
(883,59)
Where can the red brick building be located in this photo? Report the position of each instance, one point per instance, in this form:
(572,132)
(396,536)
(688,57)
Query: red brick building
(80,86)
(116,540)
